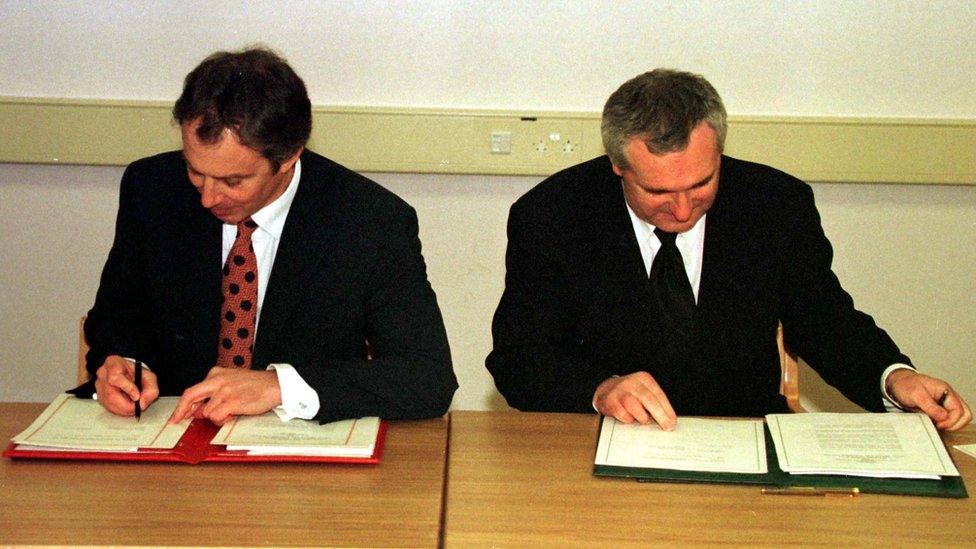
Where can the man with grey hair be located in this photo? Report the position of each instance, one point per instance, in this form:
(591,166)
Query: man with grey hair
(650,282)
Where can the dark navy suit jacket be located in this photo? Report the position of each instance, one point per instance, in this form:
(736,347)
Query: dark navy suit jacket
(348,268)
(576,307)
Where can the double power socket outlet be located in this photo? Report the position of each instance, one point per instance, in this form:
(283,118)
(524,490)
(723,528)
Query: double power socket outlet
(551,143)
(536,145)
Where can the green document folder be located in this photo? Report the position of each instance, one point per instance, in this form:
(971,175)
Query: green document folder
(945,487)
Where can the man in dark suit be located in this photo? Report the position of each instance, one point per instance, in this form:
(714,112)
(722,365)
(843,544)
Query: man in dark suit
(650,282)
(248,273)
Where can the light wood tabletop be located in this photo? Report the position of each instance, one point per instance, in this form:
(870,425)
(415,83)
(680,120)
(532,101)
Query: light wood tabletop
(394,503)
(524,479)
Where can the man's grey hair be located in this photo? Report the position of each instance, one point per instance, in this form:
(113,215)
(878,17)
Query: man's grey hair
(661,108)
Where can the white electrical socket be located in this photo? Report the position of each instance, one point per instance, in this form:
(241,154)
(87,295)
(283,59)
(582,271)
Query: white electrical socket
(547,144)
(501,142)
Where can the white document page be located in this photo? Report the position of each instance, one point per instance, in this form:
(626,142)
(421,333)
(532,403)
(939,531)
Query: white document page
(267,434)
(870,445)
(71,423)
(696,444)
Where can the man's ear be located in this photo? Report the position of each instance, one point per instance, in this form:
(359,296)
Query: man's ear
(617,170)
(290,162)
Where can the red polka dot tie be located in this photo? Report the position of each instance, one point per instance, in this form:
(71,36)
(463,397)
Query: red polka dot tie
(240,301)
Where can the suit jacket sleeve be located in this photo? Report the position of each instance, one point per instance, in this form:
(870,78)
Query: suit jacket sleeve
(820,321)
(409,374)
(117,324)
(538,361)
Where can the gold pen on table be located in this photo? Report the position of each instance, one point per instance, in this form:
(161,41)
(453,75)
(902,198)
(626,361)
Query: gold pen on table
(139,388)
(810,491)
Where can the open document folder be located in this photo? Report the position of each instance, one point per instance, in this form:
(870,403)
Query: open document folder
(880,453)
(75,428)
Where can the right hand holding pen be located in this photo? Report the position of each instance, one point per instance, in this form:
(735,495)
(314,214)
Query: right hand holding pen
(116,388)
(635,397)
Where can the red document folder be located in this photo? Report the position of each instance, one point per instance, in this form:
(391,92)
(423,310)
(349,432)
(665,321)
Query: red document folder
(194,447)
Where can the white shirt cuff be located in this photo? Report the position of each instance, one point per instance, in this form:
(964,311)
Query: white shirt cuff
(298,399)
(889,403)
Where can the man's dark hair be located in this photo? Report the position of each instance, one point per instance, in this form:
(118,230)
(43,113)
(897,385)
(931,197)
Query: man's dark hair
(661,108)
(255,94)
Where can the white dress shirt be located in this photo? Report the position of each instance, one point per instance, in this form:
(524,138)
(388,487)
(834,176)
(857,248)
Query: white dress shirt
(298,399)
(690,243)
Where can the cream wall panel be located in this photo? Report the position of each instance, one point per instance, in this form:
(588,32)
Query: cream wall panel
(84,132)
(457,141)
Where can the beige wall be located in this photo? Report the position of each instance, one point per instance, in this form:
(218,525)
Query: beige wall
(906,254)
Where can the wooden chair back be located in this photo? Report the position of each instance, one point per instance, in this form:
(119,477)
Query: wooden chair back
(82,374)
(789,382)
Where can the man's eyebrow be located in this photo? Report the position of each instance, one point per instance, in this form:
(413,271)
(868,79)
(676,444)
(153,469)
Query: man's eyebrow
(223,177)
(704,181)
(698,184)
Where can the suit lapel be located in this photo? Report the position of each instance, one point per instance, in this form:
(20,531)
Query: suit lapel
(303,240)
(202,238)
(612,250)
(718,259)
(621,253)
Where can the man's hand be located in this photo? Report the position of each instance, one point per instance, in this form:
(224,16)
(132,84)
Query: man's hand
(229,392)
(635,397)
(116,388)
(914,391)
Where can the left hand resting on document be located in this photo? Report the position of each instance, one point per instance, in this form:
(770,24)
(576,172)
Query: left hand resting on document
(914,391)
(229,392)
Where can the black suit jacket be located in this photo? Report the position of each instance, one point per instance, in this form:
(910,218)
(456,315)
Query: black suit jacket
(348,268)
(576,307)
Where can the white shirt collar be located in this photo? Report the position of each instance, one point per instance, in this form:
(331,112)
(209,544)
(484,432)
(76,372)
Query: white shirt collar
(645,231)
(271,218)
(690,243)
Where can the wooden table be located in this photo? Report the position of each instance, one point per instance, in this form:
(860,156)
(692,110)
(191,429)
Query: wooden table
(395,503)
(520,479)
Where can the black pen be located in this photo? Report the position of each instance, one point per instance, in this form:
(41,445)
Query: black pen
(942,399)
(139,388)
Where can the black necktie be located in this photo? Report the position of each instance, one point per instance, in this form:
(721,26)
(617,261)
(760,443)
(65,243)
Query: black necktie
(670,286)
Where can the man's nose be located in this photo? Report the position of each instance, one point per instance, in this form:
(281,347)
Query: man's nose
(208,193)
(681,207)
